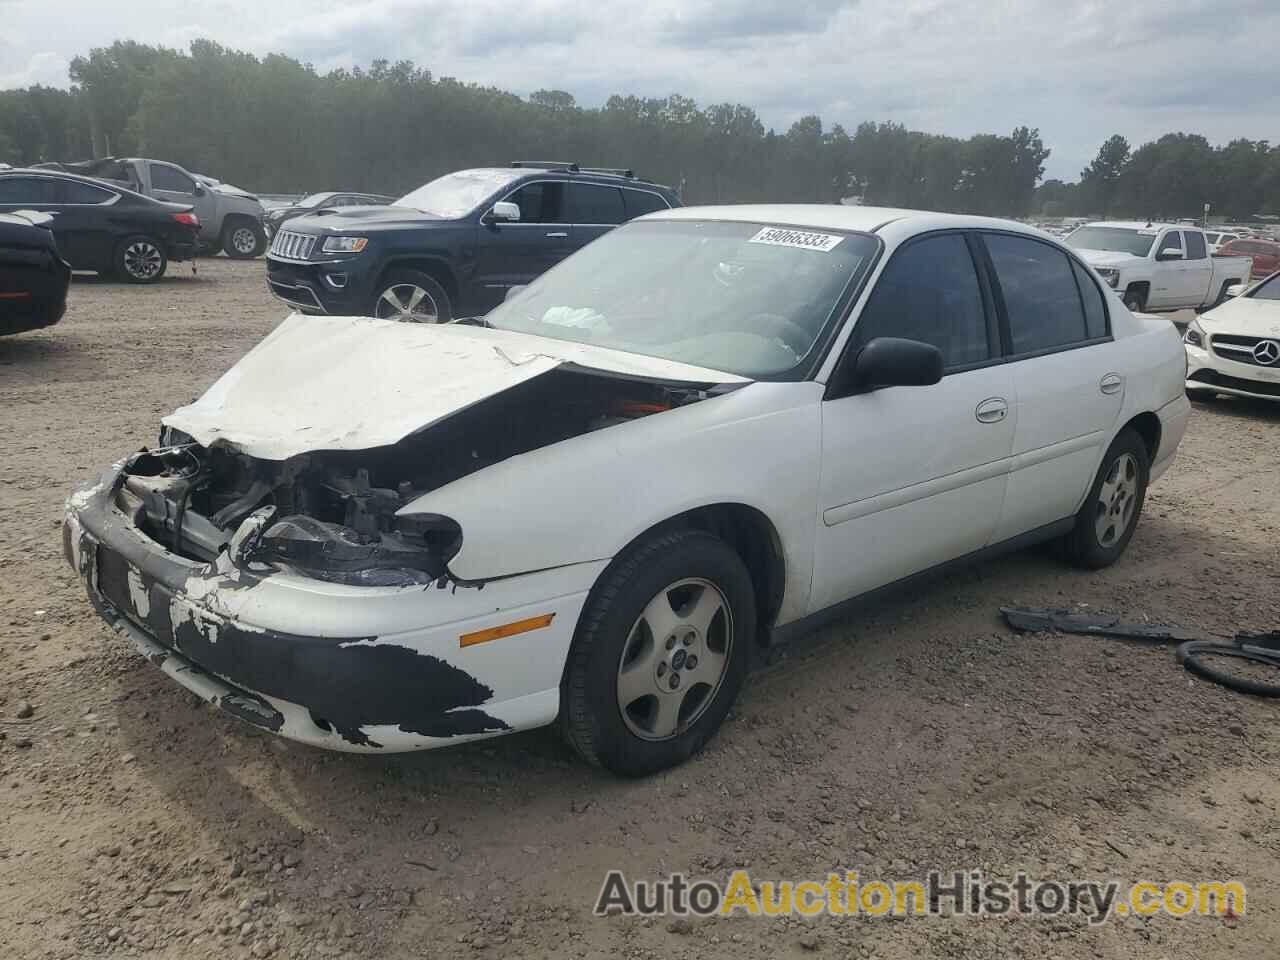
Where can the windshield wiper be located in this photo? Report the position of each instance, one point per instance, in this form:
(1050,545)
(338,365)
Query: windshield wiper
(474,322)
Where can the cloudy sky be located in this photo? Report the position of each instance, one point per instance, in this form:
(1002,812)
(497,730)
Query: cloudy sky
(1080,70)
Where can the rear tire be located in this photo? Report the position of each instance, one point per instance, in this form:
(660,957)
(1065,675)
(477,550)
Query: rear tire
(1105,524)
(242,238)
(635,699)
(140,259)
(411,296)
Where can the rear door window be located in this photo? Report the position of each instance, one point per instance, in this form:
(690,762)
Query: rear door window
(929,291)
(73,191)
(1041,296)
(165,177)
(540,202)
(28,190)
(1195,245)
(591,203)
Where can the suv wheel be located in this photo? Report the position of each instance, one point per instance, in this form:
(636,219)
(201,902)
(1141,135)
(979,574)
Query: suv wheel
(412,297)
(660,653)
(242,239)
(140,260)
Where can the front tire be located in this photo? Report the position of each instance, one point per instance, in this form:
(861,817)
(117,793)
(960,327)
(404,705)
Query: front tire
(140,259)
(412,297)
(1105,524)
(660,653)
(242,239)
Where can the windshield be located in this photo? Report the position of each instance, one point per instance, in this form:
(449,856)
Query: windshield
(1114,239)
(745,298)
(456,194)
(1268,289)
(314,200)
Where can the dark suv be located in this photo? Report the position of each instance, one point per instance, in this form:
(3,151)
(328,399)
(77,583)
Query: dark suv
(454,247)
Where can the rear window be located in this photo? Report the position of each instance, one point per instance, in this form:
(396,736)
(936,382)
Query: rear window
(640,202)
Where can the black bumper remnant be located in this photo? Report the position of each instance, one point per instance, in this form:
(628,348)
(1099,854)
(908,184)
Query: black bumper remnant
(347,683)
(1038,620)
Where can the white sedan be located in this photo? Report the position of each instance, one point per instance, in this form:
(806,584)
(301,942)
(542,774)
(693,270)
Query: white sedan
(702,434)
(1235,348)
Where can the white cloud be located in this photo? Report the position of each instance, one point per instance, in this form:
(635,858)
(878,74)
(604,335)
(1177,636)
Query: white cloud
(1079,71)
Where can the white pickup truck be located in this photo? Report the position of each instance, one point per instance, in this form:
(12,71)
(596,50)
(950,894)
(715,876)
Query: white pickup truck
(1158,267)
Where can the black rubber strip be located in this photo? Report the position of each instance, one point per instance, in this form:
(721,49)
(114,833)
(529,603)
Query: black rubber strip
(1189,654)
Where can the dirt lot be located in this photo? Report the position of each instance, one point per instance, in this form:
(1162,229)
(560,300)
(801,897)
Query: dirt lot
(920,734)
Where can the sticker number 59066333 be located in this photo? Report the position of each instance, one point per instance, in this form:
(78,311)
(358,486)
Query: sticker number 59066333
(782,237)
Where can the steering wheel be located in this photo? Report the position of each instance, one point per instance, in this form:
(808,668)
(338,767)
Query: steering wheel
(796,337)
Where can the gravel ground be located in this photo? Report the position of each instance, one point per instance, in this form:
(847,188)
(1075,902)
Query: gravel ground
(921,733)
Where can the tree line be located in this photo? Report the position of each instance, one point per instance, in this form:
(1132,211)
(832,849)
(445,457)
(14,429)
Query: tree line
(273,124)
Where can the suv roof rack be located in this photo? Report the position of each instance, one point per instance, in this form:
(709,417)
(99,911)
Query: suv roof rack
(568,167)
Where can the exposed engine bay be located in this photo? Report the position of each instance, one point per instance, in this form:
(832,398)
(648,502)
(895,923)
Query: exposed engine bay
(332,514)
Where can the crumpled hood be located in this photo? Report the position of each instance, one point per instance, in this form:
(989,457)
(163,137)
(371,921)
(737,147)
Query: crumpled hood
(352,383)
(1107,258)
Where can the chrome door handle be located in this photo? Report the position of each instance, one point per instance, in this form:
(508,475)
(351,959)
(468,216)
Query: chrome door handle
(992,411)
(1111,383)
(559,235)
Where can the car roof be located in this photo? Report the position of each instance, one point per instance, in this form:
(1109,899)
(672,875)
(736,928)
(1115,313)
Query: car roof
(1141,225)
(892,222)
(590,176)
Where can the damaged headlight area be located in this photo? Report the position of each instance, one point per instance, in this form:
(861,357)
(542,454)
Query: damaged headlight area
(417,553)
(336,515)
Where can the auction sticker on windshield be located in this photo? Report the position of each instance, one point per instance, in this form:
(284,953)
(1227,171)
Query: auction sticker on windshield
(779,237)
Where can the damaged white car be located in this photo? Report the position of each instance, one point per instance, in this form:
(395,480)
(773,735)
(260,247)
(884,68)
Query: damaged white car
(703,433)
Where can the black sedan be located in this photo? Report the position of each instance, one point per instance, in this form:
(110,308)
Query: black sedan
(33,278)
(321,201)
(104,227)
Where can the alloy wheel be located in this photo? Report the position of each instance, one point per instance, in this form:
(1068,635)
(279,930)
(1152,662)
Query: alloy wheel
(143,260)
(675,659)
(407,302)
(1117,498)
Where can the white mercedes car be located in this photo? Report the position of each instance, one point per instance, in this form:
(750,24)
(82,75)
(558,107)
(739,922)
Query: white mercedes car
(1235,348)
(704,433)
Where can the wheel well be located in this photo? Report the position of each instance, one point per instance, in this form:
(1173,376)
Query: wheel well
(753,537)
(231,219)
(1147,426)
(1141,286)
(435,269)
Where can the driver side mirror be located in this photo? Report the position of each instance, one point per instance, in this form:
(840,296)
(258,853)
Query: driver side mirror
(891,362)
(1235,290)
(1169,255)
(505,210)
(199,191)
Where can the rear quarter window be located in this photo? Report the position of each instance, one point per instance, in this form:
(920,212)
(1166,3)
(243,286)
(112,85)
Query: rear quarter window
(1041,296)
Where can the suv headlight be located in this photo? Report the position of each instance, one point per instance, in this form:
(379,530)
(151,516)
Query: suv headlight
(1195,335)
(344,244)
(1110,274)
